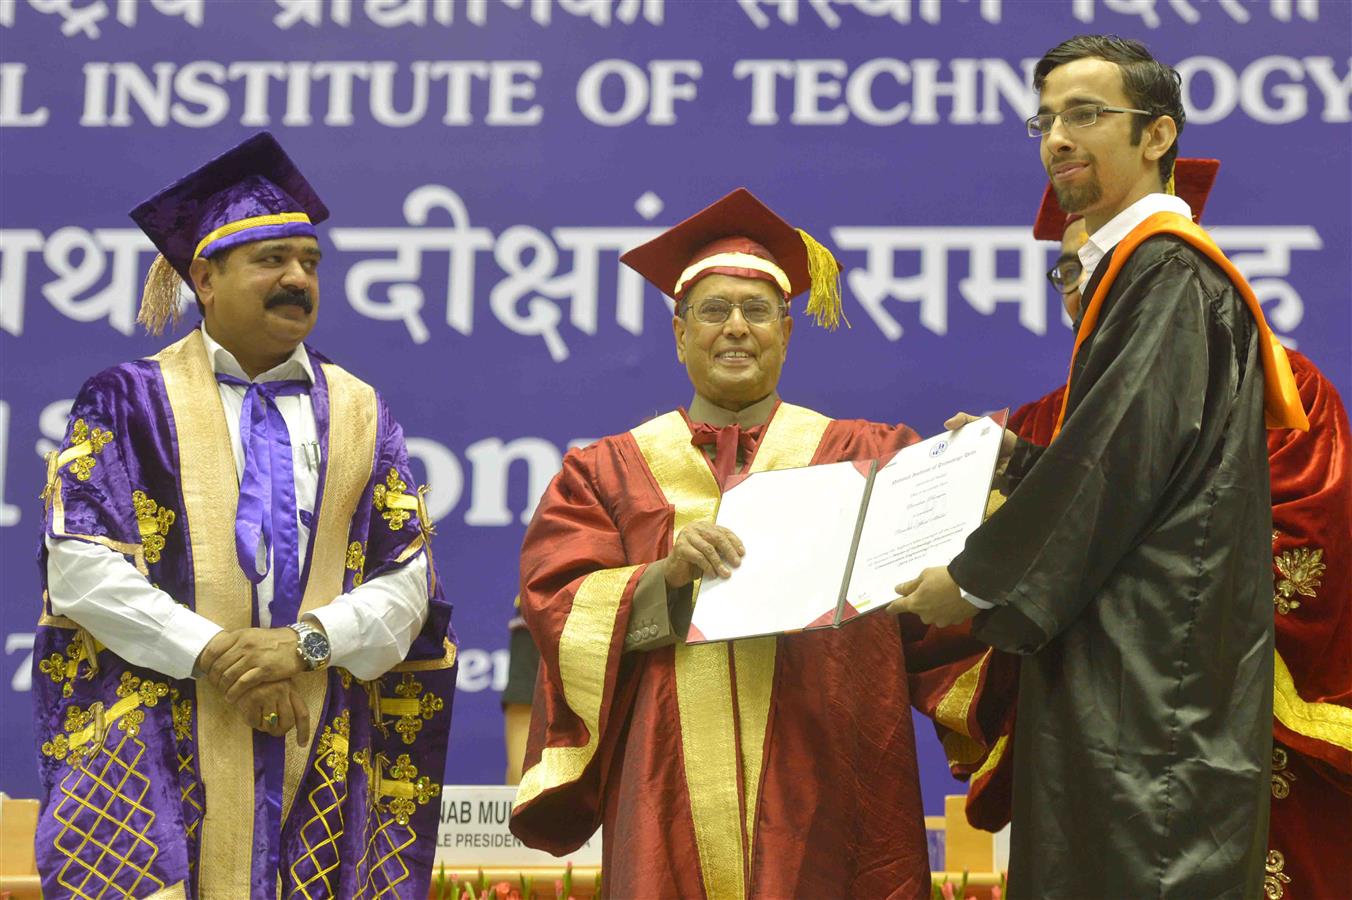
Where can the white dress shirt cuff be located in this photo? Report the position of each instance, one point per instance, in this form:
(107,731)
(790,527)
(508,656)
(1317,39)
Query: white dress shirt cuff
(185,636)
(975,600)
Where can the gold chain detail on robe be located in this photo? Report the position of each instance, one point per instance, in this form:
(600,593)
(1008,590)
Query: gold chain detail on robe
(723,837)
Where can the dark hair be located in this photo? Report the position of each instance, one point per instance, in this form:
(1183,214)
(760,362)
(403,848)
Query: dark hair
(1149,84)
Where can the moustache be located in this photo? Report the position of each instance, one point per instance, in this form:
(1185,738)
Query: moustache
(290,298)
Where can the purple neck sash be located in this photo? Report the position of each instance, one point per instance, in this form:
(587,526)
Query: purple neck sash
(267,516)
(265,523)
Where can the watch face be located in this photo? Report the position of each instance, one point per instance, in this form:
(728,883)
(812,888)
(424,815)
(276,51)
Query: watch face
(315,646)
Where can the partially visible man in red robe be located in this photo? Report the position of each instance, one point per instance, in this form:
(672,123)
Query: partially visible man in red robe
(1310,831)
(769,767)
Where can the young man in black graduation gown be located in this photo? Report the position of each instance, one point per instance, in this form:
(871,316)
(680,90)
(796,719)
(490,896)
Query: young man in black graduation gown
(1129,562)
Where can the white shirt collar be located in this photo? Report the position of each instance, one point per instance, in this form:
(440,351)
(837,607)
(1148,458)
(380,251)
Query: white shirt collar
(1119,226)
(293,367)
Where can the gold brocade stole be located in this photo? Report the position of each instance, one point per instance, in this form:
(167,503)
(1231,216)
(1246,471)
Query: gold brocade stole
(724,817)
(210,496)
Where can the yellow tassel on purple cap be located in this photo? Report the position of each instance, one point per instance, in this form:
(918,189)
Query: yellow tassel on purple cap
(823,299)
(160,297)
(1169,187)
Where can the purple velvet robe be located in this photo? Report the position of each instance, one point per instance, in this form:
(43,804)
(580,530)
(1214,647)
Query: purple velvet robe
(151,783)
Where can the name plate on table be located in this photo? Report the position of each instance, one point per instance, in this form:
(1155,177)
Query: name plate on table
(474,833)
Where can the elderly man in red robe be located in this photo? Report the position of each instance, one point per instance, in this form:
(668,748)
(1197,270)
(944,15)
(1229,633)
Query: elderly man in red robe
(1311,820)
(773,767)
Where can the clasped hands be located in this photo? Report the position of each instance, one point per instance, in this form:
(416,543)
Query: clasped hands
(255,668)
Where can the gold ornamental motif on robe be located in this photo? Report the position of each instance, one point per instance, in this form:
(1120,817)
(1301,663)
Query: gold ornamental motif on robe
(1301,570)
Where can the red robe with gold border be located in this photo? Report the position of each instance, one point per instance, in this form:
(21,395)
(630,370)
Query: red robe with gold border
(771,767)
(1310,832)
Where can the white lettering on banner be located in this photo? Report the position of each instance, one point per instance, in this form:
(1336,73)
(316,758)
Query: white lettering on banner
(84,20)
(419,13)
(666,81)
(528,299)
(474,835)
(900,11)
(198,94)
(404,297)
(15,245)
(118,300)
(616,92)
(9,512)
(1187,10)
(877,282)
(481,670)
(1262,254)
(12,113)
(22,641)
(979,91)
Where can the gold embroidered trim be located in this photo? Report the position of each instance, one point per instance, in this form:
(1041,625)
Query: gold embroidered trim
(956,704)
(723,836)
(320,835)
(243,224)
(62,669)
(584,650)
(85,728)
(210,495)
(445,661)
(1275,880)
(154,522)
(351,453)
(85,445)
(993,760)
(356,561)
(1281,779)
(1302,570)
(1326,722)
(396,506)
(413,707)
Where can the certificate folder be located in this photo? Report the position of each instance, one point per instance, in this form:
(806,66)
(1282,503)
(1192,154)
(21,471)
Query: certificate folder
(827,543)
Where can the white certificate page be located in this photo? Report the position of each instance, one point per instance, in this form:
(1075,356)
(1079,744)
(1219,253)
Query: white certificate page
(797,526)
(925,502)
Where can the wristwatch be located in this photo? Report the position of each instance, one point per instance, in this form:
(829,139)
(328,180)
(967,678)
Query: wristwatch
(312,645)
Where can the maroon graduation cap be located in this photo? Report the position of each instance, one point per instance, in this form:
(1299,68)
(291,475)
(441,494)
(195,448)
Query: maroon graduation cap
(741,236)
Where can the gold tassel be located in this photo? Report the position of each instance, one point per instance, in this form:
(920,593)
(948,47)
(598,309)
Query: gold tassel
(159,298)
(823,300)
(1169,185)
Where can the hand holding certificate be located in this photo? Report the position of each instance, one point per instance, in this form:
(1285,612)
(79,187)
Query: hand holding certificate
(826,543)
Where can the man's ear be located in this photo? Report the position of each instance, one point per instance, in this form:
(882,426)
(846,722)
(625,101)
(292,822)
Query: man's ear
(678,329)
(203,280)
(1159,137)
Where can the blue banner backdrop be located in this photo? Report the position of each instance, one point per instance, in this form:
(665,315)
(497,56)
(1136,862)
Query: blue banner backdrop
(487,160)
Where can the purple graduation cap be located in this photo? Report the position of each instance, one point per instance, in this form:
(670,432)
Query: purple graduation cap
(251,192)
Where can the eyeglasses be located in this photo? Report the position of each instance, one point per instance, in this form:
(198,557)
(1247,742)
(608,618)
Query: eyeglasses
(1065,275)
(756,311)
(1081,116)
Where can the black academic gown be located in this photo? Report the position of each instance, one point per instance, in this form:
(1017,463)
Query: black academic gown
(1131,564)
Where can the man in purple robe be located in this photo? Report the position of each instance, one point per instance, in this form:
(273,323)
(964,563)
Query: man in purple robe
(219,574)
